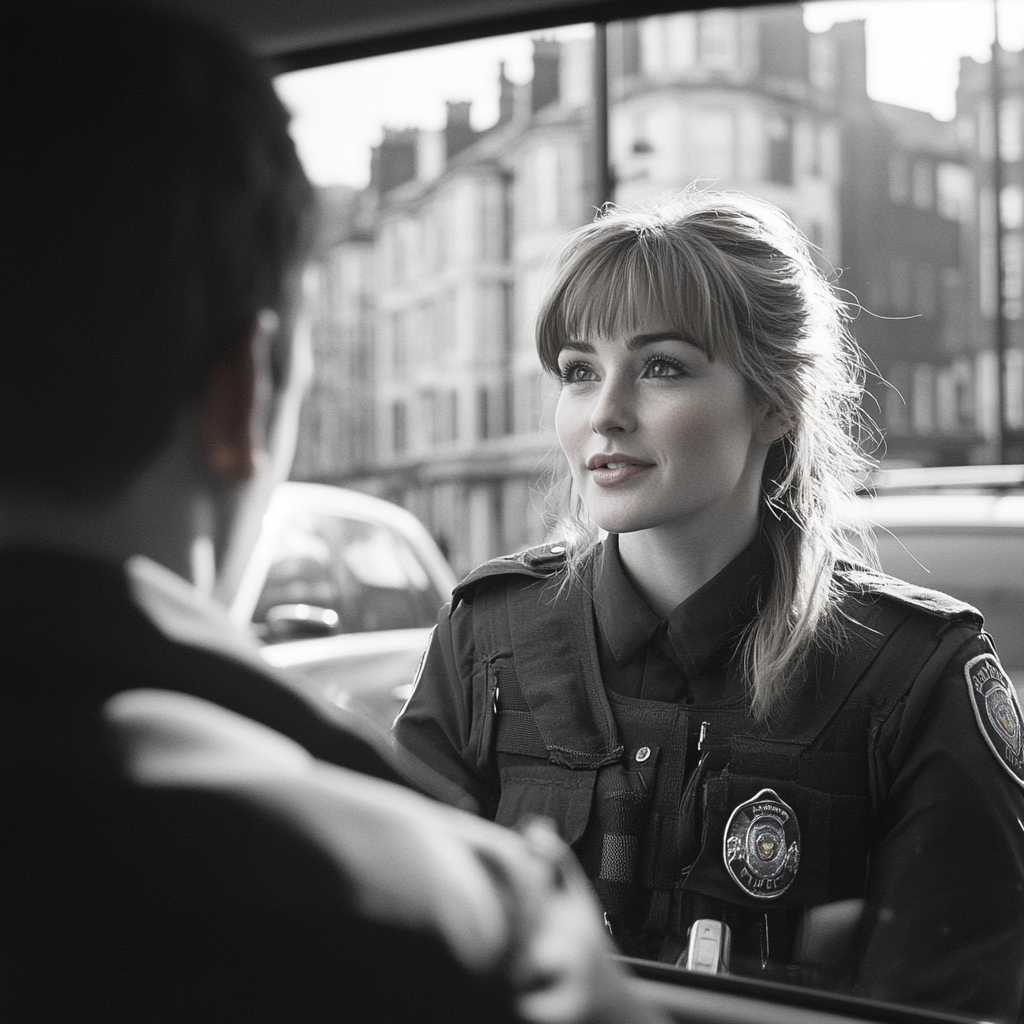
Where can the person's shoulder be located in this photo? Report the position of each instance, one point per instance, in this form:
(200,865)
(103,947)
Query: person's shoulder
(863,585)
(543,562)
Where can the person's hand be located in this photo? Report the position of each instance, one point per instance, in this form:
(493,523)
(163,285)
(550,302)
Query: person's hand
(564,969)
(510,904)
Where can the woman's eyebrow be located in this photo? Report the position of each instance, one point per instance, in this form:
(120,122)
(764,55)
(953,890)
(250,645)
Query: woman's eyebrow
(632,343)
(640,340)
(576,345)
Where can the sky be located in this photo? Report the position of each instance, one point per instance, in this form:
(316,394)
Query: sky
(913,53)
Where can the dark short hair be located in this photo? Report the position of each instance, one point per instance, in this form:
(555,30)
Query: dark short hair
(153,204)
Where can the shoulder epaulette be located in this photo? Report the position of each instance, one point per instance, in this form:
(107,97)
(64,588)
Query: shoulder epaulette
(539,562)
(869,583)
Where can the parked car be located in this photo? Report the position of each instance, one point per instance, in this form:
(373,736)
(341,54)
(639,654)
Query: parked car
(959,530)
(343,588)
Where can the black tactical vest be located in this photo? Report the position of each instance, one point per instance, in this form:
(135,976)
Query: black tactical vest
(666,805)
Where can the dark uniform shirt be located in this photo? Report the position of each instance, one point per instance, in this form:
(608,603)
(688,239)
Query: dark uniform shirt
(685,657)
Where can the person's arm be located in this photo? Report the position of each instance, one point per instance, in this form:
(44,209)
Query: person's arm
(945,924)
(506,924)
(442,724)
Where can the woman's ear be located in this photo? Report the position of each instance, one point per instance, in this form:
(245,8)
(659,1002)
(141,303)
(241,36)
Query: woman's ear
(227,442)
(773,424)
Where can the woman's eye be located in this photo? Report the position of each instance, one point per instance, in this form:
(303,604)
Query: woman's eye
(576,373)
(662,368)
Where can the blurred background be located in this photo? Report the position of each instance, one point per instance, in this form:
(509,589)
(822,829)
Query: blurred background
(450,175)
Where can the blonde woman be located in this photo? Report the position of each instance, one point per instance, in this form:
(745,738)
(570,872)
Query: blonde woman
(729,714)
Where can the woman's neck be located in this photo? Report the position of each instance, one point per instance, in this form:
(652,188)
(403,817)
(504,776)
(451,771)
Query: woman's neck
(666,568)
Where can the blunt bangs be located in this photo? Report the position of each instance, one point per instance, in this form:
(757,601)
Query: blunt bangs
(615,279)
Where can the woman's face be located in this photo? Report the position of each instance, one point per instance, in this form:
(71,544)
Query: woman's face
(659,436)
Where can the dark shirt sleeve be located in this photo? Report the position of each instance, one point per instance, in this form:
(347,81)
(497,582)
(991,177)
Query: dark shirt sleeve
(945,921)
(442,722)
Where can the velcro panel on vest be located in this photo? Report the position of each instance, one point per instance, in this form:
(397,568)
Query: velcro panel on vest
(517,731)
(832,771)
(555,653)
(546,789)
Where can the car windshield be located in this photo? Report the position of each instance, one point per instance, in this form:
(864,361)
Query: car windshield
(450,176)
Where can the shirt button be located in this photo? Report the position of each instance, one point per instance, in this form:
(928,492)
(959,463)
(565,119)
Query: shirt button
(642,754)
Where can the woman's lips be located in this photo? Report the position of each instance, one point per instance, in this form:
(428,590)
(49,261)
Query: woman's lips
(610,471)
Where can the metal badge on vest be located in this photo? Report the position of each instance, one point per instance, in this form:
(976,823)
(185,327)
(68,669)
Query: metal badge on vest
(761,845)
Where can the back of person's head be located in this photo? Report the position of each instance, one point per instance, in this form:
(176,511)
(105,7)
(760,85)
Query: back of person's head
(153,206)
(735,275)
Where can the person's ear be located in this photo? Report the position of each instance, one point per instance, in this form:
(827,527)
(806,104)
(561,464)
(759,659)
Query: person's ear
(773,424)
(227,441)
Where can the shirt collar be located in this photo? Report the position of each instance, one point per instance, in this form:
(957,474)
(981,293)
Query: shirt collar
(709,620)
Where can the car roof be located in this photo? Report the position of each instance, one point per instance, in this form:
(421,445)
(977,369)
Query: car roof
(304,33)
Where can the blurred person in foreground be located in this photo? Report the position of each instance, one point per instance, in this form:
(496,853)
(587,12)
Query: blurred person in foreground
(178,843)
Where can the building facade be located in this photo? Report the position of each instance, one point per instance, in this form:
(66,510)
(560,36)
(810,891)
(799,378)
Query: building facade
(428,298)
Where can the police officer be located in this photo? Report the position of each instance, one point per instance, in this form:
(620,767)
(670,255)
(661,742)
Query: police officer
(731,717)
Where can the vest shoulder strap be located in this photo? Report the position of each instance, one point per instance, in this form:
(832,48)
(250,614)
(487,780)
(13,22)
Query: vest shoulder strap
(542,620)
(536,563)
(895,635)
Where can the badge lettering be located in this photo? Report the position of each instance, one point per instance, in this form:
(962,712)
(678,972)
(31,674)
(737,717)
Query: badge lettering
(761,845)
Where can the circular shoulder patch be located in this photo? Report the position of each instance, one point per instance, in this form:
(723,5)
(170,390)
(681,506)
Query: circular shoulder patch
(995,707)
(761,846)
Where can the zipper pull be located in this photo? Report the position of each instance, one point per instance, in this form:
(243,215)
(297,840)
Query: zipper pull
(703,736)
(494,702)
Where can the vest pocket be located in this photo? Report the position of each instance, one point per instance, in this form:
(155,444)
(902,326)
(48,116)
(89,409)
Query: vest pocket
(831,850)
(548,790)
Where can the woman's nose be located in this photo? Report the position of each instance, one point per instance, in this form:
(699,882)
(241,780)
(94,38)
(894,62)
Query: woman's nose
(615,410)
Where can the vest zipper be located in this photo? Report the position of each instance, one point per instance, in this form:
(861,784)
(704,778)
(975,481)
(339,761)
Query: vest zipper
(486,742)
(686,804)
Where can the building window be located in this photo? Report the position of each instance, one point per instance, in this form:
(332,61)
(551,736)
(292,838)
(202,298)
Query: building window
(1014,391)
(923,404)
(712,141)
(1011,142)
(899,179)
(954,192)
(483,414)
(924,297)
(1013,276)
(954,390)
(899,274)
(986,132)
(509,410)
(669,44)
(895,402)
(923,185)
(821,62)
(816,161)
(719,40)
(955,319)
(680,35)
(399,428)
(987,287)
(780,149)
(1012,207)
(544,194)
(443,414)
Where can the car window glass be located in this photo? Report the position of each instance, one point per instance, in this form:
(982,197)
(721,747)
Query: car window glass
(366,573)
(447,191)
